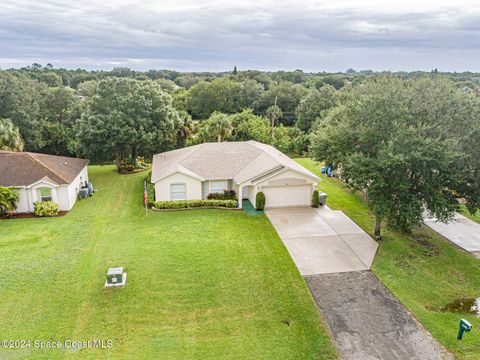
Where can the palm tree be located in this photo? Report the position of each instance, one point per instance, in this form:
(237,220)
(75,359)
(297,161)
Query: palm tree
(274,112)
(187,128)
(10,138)
(8,200)
(220,125)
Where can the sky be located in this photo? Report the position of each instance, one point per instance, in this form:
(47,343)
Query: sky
(213,35)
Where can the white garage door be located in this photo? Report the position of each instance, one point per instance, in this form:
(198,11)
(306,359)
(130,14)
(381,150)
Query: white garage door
(278,196)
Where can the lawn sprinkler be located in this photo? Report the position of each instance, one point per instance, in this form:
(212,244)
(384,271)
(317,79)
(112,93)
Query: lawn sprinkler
(464,326)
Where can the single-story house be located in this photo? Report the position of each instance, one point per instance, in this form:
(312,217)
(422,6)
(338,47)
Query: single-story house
(247,167)
(42,177)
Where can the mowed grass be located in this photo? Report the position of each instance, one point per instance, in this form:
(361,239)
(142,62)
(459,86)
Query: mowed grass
(474,217)
(204,284)
(423,270)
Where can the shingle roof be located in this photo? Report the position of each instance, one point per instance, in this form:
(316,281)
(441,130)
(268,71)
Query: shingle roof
(240,161)
(25,168)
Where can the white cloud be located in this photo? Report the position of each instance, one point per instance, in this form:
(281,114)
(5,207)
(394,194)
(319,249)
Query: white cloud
(215,35)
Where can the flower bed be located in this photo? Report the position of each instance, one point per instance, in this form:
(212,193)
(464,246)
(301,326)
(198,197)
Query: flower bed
(136,170)
(195,204)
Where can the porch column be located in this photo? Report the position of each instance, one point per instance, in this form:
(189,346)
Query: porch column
(240,196)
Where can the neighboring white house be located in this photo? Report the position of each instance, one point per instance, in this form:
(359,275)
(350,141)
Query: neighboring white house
(247,167)
(41,177)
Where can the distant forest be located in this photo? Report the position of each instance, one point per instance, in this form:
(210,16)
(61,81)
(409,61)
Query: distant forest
(72,112)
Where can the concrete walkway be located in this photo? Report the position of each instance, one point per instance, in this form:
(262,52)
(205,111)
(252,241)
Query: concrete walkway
(323,241)
(461,231)
(368,322)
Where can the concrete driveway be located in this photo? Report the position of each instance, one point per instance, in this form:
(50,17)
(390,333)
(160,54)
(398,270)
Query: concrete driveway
(461,231)
(322,240)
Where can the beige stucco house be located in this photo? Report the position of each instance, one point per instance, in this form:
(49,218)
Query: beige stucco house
(247,167)
(42,177)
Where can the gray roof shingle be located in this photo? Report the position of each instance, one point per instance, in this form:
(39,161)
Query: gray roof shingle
(240,161)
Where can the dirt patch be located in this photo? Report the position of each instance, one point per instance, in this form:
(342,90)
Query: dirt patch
(428,248)
(457,274)
(403,262)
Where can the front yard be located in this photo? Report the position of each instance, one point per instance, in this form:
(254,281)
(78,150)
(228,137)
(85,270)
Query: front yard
(202,284)
(423,270)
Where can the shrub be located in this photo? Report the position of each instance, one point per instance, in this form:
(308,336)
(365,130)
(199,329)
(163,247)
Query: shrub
(260,201)
(45,208)
(215,196)
(185,204)
(226,195)
(315,199)
(8,200)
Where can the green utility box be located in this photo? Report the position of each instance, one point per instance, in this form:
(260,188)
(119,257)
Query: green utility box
(116,277)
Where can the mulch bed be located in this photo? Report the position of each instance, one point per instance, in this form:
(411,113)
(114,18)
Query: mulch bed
(28,215)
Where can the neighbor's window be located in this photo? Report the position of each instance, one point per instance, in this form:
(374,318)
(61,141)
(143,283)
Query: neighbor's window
(46,194)
(178,192)
(218,186)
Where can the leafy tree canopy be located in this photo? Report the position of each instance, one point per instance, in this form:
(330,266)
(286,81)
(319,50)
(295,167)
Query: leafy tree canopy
(22,100)
(249,126)
(288,97)
(223,95)
(126,118)
(315,105)
(387,144)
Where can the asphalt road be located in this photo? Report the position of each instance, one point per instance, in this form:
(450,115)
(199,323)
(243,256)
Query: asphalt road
(368,322)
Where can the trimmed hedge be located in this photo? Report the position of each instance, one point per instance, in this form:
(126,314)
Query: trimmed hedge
(260,201)
(185,204)
(226,195)
(315,199)
(45,208)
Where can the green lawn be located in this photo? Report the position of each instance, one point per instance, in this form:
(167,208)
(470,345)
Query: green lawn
(474,217)
(204,284)
(423,270)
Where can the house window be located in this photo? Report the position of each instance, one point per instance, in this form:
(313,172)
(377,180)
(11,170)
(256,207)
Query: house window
(45,194)
(178,192)
(218,186)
